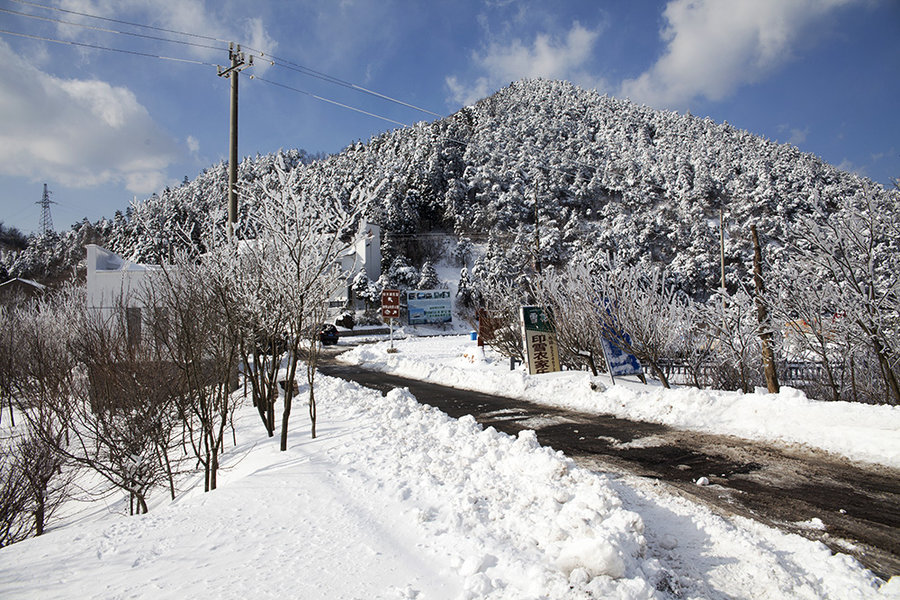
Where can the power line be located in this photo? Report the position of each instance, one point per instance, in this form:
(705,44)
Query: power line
(260,53)
(202,63)
(279,62)
(300,91)
(97,47)
(323,99)
(303,70)
(121,22)
(105,30)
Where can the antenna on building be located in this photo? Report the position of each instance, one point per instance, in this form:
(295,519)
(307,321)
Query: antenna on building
(46,219)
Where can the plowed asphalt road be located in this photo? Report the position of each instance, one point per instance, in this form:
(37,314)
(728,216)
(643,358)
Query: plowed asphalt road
(780,486)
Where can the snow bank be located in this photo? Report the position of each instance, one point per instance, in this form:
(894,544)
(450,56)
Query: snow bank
(857,431)
(519,519)
(397,500)
(393,500)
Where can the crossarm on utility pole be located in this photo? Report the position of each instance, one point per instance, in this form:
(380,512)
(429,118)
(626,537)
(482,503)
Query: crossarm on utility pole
(237,65)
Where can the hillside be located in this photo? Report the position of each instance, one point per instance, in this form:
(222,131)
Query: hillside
(612,176)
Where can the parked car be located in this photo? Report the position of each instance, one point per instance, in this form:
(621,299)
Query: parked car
(328,335)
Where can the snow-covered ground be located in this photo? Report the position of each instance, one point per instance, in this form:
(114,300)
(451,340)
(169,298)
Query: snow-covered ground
(397,500)
(857,431)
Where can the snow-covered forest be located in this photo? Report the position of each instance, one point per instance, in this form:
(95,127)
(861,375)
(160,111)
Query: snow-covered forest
(544,174)
(611,176)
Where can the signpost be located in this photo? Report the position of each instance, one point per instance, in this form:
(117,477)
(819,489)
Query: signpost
(540,340)
(390,309)
(390,304)
(428,306)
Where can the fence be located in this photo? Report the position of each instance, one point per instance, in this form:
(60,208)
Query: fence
(798,374)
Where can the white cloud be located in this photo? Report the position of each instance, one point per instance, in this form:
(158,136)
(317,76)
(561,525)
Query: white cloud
(798,136)
(81,133)
(715,46)
(191,16)
(795,135)
(552,57)
(193,144)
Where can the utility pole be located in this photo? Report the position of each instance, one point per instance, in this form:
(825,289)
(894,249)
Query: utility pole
(537,225)
(46,219)
(237,65)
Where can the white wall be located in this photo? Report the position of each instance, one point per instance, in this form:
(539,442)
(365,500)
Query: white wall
(113,281)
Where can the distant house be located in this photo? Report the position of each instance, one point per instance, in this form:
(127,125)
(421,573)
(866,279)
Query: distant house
(114,283)
(16,291)
(365,256)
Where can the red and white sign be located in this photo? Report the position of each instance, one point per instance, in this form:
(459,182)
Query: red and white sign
(390,304)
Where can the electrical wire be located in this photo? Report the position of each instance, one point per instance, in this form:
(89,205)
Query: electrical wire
(97,47)
(121,22)
(277,61)
(280,62)
(260,53)
(202,63)
(323,99)
(104,30)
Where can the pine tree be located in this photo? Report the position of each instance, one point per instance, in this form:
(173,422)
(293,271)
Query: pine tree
(429,279)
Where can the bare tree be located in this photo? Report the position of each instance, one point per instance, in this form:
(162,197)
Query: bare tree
(14,522)
(634,308)
(731,320)
(300,239)
(696,348)
(263,322)
(579,329)
(857,248)
(642,313)
(46,481)
(7,361)
(192,323)
(809,309)
(92,399)
(124,412)
(501,300)
(38,379)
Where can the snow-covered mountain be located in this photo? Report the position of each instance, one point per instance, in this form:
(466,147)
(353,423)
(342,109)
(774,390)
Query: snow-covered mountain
(602,174)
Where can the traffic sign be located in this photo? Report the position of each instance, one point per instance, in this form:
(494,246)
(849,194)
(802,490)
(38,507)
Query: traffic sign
(390,304)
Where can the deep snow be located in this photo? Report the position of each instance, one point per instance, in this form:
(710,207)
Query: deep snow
(857,431)
(397,500)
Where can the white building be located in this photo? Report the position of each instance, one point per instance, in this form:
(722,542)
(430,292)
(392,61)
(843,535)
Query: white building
(364,255)
(113,281)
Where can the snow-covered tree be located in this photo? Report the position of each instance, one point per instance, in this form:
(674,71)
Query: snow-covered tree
(856,251)
(191,320)
(300,238)
(401,275)
(731,320)
(428,279)
(635,308)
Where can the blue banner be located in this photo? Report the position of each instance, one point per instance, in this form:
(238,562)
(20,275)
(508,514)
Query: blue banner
(619,361)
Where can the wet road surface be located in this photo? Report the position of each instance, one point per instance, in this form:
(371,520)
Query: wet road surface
(859,504)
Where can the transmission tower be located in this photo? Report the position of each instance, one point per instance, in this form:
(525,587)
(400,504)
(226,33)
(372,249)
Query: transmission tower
(46,219)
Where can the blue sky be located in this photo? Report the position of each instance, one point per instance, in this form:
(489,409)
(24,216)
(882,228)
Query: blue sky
(102,127)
